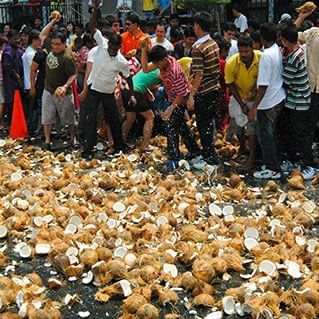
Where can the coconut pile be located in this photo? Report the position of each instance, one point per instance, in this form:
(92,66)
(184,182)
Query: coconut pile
(154,241)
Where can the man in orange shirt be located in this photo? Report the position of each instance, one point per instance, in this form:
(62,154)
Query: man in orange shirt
(132,37)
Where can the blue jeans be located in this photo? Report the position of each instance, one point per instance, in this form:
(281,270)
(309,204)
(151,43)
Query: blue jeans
(267,136)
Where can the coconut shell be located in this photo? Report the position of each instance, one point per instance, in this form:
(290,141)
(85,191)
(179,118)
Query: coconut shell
(3,259)
(147,311)
(203,288)
(304,311)
(149,273)
(188,281)
(315,180)
(271,186)
(9,315)
(61,262)
(234,261)
(203,270)
(133,303)
(315,265)
(89,257)
(234,180)
(312,297)
(116,268)
(191,233)
(309,6)
(55,15)
(296,182)
(219,265)
(167,296)
(204,300)
(190,212)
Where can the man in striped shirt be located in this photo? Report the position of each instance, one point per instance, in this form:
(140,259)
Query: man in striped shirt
(204,95)
(176,86)
(297,105)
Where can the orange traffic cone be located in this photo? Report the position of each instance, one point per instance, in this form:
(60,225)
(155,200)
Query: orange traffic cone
(19,127)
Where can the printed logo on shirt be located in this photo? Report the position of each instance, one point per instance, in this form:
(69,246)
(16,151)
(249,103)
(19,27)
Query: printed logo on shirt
(52,61)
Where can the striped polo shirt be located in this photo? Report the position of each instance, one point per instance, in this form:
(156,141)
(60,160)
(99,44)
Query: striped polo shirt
(205,54)
(296,81)
(174,80)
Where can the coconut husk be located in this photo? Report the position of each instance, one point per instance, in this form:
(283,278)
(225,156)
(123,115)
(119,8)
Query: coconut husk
(167,296)
(315,265)
(204,300)
(304,311)
(315,180)
(188,281)
(133,303)
(89,257)
(312,297)
(203,270)
(191,233)
(3,259)
(309,6)
(296,182)
(147,311)
(234,261)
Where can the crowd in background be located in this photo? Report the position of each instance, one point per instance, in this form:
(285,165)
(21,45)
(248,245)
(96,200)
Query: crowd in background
(254,83)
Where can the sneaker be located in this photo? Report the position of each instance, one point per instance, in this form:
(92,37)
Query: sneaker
(266,173)
(171,165)
(288,167)
(196,159)
(199,165)
(309,172)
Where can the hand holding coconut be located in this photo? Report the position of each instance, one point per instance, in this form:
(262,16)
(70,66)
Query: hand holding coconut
(55,16)
(61,91)
(306,9)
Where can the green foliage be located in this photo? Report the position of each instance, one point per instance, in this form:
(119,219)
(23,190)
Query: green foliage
(204,5)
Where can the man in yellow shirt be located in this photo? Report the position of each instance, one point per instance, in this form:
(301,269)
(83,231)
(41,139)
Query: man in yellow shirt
(241,73)
(148,9)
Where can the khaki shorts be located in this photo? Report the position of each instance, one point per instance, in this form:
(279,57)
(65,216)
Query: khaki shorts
(53,106)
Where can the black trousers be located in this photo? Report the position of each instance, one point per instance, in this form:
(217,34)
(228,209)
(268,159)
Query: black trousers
(174,127)
(268,136)
(112,114)
(296,135)
(205,111)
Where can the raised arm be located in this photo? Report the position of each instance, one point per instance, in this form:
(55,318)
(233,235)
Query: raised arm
(94,16)
(45,32)
(144,60)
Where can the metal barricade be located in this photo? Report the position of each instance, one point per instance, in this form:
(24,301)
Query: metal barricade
(24,13)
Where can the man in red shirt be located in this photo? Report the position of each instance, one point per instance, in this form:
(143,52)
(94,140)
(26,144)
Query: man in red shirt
(176,86)
(133,36)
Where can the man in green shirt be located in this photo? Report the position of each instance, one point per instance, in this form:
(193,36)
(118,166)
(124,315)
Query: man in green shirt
(60,72)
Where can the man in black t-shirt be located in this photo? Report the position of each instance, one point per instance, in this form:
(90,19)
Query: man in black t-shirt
(60,72)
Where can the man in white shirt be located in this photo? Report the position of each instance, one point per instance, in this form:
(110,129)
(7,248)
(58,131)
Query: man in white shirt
(229,32)
(269,102)
(27,58)
(240,20)
(161,40)
(108,63)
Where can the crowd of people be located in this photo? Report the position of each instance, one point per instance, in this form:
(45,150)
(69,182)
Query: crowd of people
(254,83)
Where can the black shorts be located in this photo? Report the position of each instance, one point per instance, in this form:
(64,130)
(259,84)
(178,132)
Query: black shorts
(142,105)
